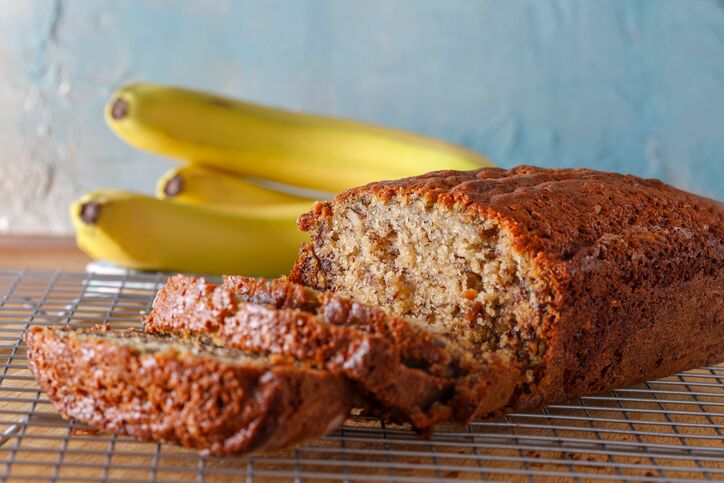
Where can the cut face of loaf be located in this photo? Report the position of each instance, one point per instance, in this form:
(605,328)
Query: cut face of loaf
(193,394)
(588,280)
(431,265)
(402,373)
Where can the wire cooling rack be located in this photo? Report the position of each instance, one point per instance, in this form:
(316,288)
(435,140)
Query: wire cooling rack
(666,430)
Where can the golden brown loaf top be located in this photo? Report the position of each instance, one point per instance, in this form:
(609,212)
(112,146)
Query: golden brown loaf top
(206,398)
(561,213)
(623,276)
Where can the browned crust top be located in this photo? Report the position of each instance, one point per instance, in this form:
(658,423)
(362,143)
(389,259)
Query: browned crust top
(555,212)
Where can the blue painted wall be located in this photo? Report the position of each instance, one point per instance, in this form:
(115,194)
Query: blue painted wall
(618,85)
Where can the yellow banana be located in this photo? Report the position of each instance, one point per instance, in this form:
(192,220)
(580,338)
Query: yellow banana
(196,185)
(142,232)
(306,150)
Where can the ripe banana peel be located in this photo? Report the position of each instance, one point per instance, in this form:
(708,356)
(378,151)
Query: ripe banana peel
(305,150)
(142,232)
(197,186)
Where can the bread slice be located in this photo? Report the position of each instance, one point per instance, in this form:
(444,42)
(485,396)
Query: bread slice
(196,395)
(588,280)
(403,374)
(418,348)
(483,383)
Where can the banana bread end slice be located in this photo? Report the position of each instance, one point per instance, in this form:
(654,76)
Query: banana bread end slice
(196,395)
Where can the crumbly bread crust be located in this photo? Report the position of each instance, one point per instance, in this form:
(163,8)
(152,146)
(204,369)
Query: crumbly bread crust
(391,378)
(216,401)
(630,271)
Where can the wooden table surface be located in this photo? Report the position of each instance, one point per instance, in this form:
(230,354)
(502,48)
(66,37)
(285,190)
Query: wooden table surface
(41,252)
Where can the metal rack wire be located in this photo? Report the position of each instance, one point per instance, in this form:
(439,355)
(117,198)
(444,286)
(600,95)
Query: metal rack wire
(666,430)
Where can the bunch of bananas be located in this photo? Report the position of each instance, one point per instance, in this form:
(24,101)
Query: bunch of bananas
(249,172)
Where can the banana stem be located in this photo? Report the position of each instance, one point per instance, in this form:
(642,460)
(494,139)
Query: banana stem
(119,110)
(90,211)
(174,186)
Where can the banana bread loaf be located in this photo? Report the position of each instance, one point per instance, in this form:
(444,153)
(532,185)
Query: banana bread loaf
(192,394)
(420,381)
(588,280)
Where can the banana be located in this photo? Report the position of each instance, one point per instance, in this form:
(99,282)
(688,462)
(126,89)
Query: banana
(145,233)
(305,150)
(196,185)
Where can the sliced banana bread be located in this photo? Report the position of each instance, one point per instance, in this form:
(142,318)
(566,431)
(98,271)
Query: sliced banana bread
(424,385)
(418,347)
(588,280)
(483,382)
(193,394)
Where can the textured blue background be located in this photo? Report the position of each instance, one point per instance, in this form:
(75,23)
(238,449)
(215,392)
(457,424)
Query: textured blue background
(617,85)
